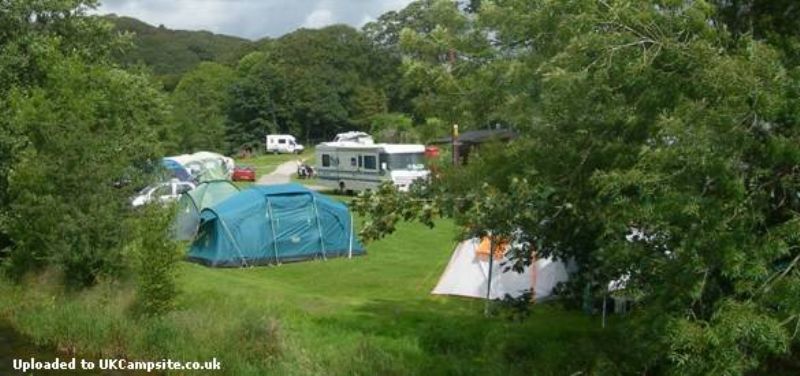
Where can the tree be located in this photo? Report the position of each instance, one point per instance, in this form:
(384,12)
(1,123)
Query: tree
(446,70)
(32,36)
(255,95)
(641,118)
(393,128)
(774,21)
(200,102)
(73,126)
(171,54)
(82,130)
(312,83)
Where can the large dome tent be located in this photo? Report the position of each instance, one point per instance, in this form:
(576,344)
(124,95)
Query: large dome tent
(274,224)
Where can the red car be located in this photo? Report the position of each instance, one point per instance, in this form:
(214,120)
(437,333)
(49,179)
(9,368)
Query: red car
(244,173)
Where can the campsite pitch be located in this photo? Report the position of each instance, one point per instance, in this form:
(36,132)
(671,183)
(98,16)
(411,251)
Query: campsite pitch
(375,314)
(363,316)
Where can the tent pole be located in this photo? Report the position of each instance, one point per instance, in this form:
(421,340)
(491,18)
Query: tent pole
(605,298)
(350,246)
(272,226)
(319,228)
(534,258)
(489,280)
(233,240)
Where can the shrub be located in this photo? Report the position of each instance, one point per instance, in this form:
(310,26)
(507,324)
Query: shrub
(157,259)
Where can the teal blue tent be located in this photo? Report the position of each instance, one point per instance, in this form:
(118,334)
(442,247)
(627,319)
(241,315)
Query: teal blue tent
(274,224)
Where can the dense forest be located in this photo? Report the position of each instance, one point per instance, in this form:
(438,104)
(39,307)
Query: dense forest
(227,93)
(658,144)
(169,54)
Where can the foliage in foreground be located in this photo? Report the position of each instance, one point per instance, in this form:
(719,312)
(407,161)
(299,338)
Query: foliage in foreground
(72,127)
(157,256)
(373,315)
(657,148)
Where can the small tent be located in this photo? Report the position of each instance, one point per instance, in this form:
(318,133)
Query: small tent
(176,169)
(192,203)
(468,273)
(205,166)
(274,224)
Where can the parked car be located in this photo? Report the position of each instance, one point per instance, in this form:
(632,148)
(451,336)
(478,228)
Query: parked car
(283,143)
(244,173)
(163,193)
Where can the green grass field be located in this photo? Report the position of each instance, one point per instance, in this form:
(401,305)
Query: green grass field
(375,314)
(363,316)
(370,315)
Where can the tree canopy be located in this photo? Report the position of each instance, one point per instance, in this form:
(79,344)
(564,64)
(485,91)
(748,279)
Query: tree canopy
(72,126)
(656,147)
(311,83)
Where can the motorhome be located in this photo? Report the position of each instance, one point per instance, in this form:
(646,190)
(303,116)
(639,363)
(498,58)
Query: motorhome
(283,143)
(357,166)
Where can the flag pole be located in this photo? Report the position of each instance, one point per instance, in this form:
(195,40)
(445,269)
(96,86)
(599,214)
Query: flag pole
(489,280)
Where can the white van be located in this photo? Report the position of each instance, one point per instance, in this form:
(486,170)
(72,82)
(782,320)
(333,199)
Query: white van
(355,166)
(283,143)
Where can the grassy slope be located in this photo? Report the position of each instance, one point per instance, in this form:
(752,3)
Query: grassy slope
(369,315)
(381,304)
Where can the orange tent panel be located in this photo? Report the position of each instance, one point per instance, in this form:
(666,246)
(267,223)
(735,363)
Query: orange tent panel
(500,248)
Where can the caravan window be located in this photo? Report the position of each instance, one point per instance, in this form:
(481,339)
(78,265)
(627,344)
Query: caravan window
(353,161)
(404,161)
(282,141)
(326,160)
(370,162)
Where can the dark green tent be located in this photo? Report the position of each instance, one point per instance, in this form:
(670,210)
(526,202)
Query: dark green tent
(206,195)
(274,224)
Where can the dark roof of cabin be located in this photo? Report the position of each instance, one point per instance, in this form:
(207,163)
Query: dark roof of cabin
(480,136)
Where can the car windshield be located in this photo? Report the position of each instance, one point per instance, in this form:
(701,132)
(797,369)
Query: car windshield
(146,189)
(404,161)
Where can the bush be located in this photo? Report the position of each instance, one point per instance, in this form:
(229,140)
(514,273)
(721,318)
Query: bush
(82,129)
(157,259)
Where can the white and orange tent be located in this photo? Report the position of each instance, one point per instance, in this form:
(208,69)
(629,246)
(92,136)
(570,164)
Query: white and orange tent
(472,273)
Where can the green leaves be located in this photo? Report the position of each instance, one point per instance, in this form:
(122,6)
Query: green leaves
(311,83)
(654,147)
(156,258)
(72,125)
(731,343)
(200,102)
(83,129)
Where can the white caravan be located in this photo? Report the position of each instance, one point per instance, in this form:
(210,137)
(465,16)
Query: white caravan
(283,143)
(356,166)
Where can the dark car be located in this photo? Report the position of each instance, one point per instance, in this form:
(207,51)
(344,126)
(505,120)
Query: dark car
(244,173)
